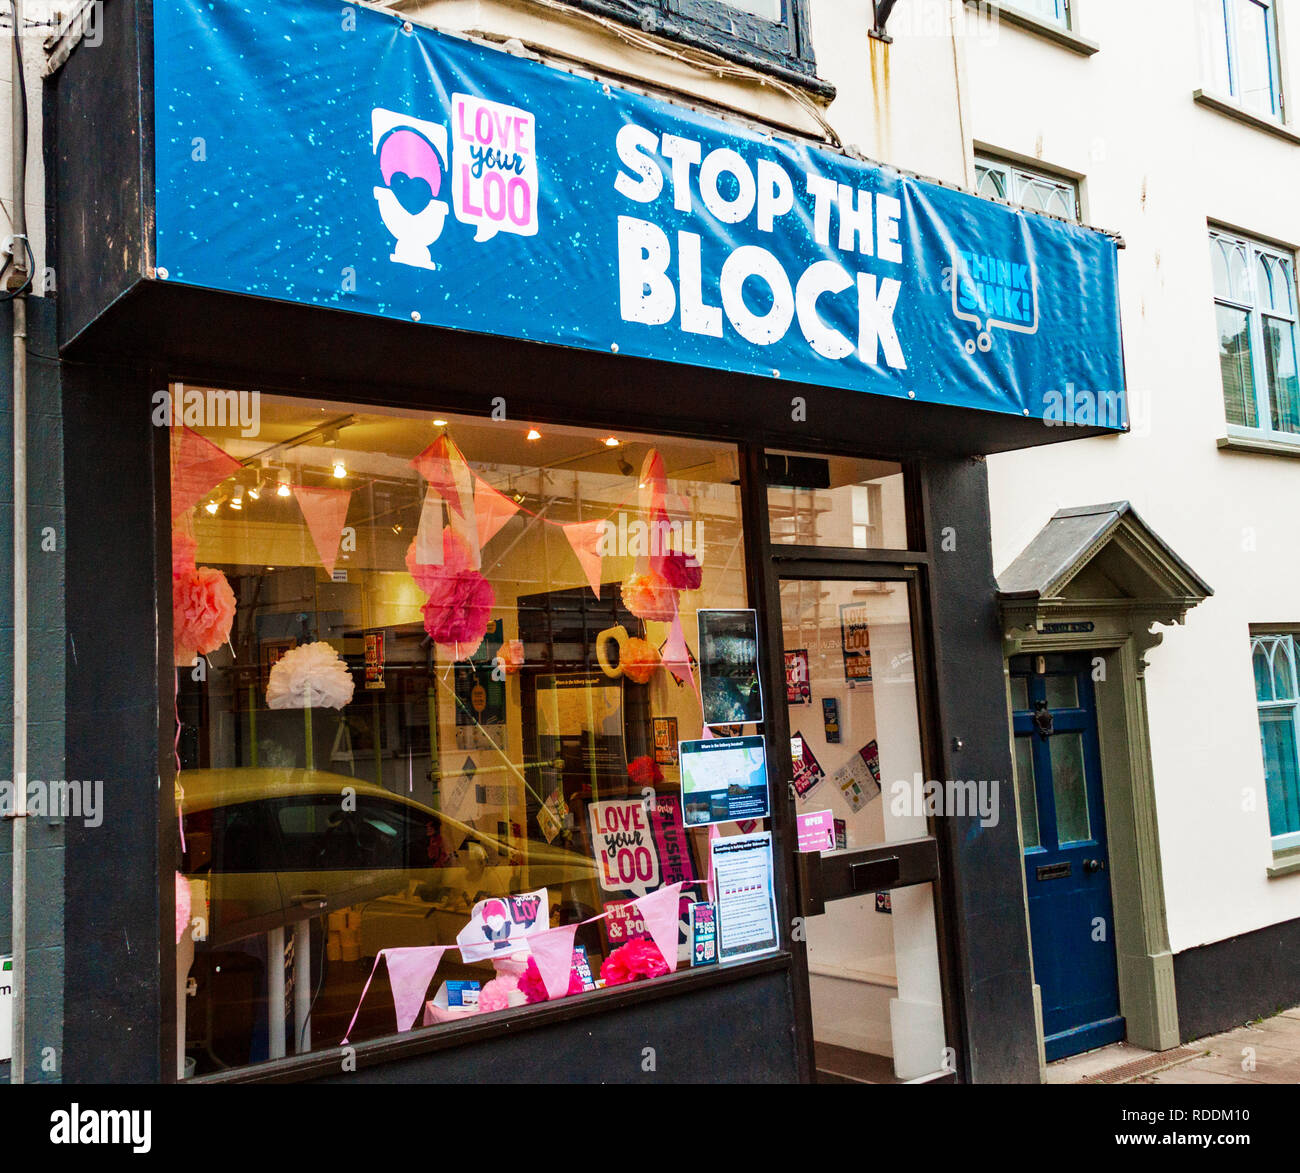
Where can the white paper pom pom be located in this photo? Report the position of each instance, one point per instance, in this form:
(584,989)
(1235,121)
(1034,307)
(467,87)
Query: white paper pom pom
(310,675)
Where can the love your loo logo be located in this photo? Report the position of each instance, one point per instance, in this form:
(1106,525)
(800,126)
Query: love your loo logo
(492,174)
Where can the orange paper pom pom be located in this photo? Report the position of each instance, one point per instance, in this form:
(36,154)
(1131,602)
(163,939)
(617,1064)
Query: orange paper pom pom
(639,660)
(649,597)
(203,608)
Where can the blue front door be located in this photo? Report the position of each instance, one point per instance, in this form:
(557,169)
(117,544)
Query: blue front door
(1067,865)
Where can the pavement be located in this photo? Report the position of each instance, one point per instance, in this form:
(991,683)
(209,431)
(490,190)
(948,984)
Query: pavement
(1267,1051)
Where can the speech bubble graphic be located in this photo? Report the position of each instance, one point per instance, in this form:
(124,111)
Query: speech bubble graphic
(996,293)
(494,166)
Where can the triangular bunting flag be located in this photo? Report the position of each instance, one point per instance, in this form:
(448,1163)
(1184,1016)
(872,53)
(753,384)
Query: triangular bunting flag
(492,510)
(584,537)
(553,952)
(198,467)
(676,655)
(659,911)
(428,538)
(409,973)
(436,463)
(326,512)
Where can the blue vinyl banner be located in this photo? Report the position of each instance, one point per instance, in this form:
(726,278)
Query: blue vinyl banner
(319,152)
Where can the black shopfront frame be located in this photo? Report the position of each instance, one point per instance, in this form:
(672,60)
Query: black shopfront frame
(124,334)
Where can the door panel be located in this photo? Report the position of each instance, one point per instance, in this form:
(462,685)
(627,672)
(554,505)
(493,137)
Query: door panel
(1067,862)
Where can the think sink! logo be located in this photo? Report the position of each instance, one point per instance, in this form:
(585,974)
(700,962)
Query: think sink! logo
(489,162)
(996,293)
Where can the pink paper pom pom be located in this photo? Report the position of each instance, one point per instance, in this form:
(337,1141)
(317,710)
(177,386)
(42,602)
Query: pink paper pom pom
(500,993)
(203,608)
(534,989)
(681,572)
(650,597)
(182,906)
(632,962)
(460,598)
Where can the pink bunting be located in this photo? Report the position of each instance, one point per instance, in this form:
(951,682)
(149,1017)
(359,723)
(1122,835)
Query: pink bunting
(553,952)
(199,467)
(428,537)
(492,509)
(436,464)
(409,973)
(659,911)
(584,537)
(676,656)
(326,513)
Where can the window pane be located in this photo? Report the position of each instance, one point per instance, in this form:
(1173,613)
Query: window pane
(1235,366)
(836,501)
(1219,250)
(1281,769)
(1263,672)
(1068,785)
(1020,694)
(1254,59)
(1025,792)
(496,718)
(1284,288)
(990,182)
(767,9)
(1284,682)
(1214,46)
(1062,692)
(1280,367)
(1053,10)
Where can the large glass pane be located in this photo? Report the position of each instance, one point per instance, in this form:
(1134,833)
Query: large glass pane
(1263,671)
(1020,694)
(1280,367)
(1254,58)
(1277,730)
(419,688)
(873,959)
(1069,786)
(1214,46)
(1235,366)
(836,501)
(1062,692)
(1026,782)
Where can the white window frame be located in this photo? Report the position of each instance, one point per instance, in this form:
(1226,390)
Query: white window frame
(1256,313)
(1232,33)
(1015,179)
(1271,644)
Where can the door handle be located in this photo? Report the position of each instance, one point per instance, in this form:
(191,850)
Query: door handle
(1094,865)
(313,900)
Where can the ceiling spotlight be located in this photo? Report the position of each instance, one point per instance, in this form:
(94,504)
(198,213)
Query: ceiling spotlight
(611,442)
(236,502)
(340,470)
(439,423)
(397,527)
(255,493)
(283,477)
(533,434)
(212,506)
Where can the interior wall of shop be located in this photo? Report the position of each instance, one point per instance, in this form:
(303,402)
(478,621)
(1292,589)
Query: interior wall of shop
(1231,516)
(46,648)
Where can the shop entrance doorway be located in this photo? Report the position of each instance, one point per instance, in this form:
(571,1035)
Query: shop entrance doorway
(1067,859)
(869,891)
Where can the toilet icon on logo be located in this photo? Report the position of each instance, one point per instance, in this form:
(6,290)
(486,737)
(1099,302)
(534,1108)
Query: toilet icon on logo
(412,157)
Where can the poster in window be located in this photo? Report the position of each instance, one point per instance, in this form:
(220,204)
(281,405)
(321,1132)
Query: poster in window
(374,661)
(798,689)
(665,735)
(621,840)
(729,676)
(724,780)
(859,778)
(481,699)
(746,908)
(808,772)
(580,727)
(855,641)
(831,719)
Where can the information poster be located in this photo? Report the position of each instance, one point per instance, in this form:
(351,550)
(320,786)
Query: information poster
(481,699)
(746,907)
(729,676)
(855,641)
(807,770)
(580,724)
(723,780)
(798,689)
(665,735)
(859,778)
(831,719)
(704,933)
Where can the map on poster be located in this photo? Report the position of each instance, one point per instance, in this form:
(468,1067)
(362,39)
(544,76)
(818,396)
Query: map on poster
(859,778)
(724,780)
(742,880)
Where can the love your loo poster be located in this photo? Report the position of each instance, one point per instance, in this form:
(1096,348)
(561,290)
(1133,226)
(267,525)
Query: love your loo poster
(330,154)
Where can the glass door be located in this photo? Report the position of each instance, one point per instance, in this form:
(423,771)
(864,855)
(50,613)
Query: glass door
(869,894)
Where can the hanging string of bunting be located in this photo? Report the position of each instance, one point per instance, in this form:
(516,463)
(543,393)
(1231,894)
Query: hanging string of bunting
(411,969)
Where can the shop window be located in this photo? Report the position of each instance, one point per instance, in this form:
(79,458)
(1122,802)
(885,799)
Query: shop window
(1239,52)
(426,668)
(1255,306)
(1278,698)
(771,33)
(836,501)
(1030,189)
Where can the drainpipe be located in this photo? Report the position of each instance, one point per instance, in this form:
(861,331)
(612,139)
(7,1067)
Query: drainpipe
(19,281)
